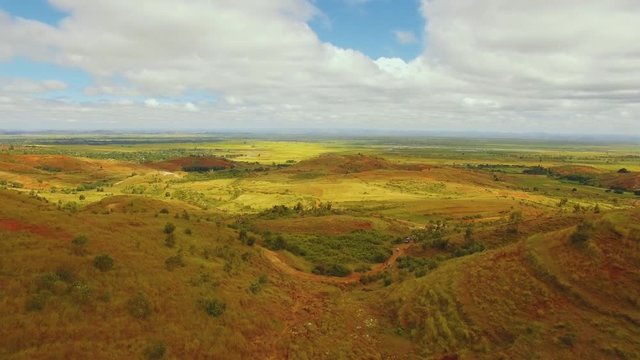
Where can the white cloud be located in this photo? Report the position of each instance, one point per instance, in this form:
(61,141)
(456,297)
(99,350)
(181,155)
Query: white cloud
(152,103)
(405,37)
(511,65)
(29,86)
(191,107)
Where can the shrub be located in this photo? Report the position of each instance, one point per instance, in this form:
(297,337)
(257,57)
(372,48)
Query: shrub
(80,292)
(103,262)
(277,243)
(48,282)
(173,262)
(156,351)
(164,211)
(139,306)
(78,245)
(331,270)
(170,240)
(65,274)
(582,233)
(187,231)
(213,307)
(80,240)
(255,287)
(37,301)
(468,250)
(169,228)
(567,339)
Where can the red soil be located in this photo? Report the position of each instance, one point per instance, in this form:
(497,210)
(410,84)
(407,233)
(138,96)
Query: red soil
(15,225)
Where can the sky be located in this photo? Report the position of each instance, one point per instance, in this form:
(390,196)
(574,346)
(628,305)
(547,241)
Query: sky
(513,66)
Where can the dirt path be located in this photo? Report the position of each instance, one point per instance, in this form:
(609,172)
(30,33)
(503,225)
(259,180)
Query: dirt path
(278,261)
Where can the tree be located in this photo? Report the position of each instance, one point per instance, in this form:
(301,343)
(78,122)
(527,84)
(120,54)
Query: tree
(623,171)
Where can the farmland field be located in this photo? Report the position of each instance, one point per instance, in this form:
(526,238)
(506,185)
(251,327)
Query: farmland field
(223,247)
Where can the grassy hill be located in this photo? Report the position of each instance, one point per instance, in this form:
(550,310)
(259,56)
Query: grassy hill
(319,250)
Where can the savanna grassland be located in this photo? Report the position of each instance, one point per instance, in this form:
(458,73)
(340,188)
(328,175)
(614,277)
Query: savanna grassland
(202,247)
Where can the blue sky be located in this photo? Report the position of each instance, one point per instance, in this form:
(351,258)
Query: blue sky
(483,65)
(366,26)
(369,27)
(39,10)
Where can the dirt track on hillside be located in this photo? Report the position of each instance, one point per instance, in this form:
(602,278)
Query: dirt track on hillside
(278,261)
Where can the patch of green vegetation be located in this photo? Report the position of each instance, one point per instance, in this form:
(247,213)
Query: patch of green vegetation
(326,251)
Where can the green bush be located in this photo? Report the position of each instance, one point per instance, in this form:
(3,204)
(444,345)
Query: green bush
(582,233)
(80,292)
(37,301)
(139,306)
(65,274)
(80,240)
(277,243)
(170,240)
(173,262)
(331,270)
(169,228)
(103,262)
(213,307)
(156,351)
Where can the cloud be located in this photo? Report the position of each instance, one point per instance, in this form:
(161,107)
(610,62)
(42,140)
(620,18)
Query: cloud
(191,107)
(494,65)
(405,37)
(22,86)
(152,103)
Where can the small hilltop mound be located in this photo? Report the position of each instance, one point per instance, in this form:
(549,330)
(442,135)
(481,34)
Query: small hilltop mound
(622,179)
(344,163)
(566,170)
(31,164)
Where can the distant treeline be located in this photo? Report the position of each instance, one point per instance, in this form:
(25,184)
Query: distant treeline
(202,168)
